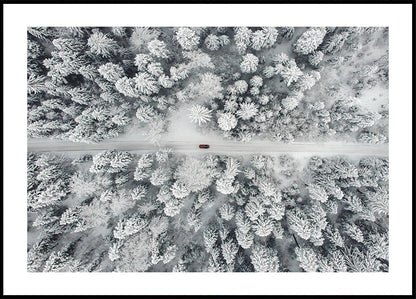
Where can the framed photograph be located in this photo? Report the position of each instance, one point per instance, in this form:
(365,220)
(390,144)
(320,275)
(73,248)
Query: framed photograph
(227,149)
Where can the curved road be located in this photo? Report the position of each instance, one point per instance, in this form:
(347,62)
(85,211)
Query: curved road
(223,147)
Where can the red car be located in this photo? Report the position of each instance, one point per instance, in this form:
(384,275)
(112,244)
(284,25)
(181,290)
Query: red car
(203,146)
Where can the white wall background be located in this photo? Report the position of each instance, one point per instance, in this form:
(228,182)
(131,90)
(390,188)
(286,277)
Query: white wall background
(16,20)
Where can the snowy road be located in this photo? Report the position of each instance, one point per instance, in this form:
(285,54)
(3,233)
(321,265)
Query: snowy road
(223,147)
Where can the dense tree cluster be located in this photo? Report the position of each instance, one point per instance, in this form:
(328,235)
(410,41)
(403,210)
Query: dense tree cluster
(162,212)
(119,211)
(88,84)
(272,100)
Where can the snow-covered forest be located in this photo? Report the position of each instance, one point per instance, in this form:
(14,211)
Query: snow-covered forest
(277,83)
(119,211)
(169,211)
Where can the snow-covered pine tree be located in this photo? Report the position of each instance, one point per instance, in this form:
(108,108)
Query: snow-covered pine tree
(318,193)
(291,101)
(378,245)
(36,84)
(269,71)
(286,33)
(127,87)
(143,167)
(142,60)
(155,69)
(111,72)
(58,260)
(241,86)
(276,211)
(258,40)
(335,42)
(334,236)
(299,223)
(245,240)
(158,48)
(359,261)
(100,44)
(224,40)
(354,203)
(179,189)
(145,161)
(210,238)
(160,176)
(249,63)
(129,226)
(114,251)
(110,161)
(242,38)
(187,38)
(212,42)
(247,110)
(264,259)
(289,71)
(70,216)
(254,208)
(145,83)
(331,206)
(227,121)
(145,113)
(199,114)
(194,218)
(229,250)
(307,258)
(315,58)
(208,88)
(353,231)
(309,41)
(243,223)
(305,82)
(270,36)
(227,211)
(378,202)
(223,231)
(195,177)
(165,81)
(263,226)
(139,192)
(268,188)
(225,186)
(172,206)
(256,81)
(337,261)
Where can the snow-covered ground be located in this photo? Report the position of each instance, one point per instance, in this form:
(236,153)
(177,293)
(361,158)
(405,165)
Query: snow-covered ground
(182,130)
(220,147)
(375,99)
